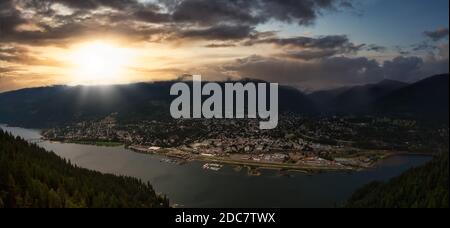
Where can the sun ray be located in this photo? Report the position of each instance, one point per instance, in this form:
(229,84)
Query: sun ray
(98,62)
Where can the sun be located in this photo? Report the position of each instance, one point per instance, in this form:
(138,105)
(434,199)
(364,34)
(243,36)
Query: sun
(98,62)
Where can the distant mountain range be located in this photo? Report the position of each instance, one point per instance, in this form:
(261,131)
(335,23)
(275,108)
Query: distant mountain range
(426,99)
(354,99)
(57,105)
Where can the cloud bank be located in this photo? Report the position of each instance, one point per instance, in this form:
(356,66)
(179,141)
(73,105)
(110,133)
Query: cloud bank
(312,62)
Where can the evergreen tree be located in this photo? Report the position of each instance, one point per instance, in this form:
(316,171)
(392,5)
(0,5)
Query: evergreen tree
(423,187)
(31,177)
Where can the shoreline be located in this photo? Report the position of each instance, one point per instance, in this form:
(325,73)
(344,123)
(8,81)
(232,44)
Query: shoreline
(253,166)
(90,143)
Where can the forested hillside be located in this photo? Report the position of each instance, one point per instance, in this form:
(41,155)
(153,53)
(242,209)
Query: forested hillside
(56,106)
(424,187)
(31,177)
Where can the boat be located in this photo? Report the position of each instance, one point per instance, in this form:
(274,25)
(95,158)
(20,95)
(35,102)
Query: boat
(212,166)
(173,161)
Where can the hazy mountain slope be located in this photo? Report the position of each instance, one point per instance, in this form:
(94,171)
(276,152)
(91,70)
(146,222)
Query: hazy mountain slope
(51,106)
(324,99)
(292,100)
(354,99)
(425,99)
(359,98)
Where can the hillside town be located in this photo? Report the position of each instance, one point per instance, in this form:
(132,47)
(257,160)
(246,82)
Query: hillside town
(299,142)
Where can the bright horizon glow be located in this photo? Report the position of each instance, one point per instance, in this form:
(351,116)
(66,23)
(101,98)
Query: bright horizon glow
(66,43)
(98,62)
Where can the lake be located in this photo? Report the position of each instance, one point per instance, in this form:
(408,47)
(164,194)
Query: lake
(190,186)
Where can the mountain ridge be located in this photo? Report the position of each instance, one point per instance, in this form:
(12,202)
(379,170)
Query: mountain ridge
(353,99)
(58,105)
(428,98)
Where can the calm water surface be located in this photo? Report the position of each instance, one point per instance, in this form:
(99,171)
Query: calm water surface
(190,186)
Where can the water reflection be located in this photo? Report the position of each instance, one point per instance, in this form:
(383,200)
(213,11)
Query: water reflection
(191,186)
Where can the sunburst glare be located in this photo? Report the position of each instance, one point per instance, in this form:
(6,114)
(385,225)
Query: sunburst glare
(98,62)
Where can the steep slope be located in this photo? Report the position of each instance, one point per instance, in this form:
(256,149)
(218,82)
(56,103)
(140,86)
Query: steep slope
(359,98)
(426,99)
(423,187)
(59,105)
(354,99)
(31,177)
(323,100)
(50,106)
(292,100)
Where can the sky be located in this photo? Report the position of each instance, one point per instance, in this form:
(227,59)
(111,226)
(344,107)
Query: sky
(308,44)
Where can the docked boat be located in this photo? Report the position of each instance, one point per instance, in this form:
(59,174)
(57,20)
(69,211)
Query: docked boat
(173,161)
(212,166)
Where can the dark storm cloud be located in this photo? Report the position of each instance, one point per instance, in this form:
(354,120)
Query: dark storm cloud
(236,19)
(316,61)
(218,20)
(337,71)
(423,46)
(222,32)
(327,72)
(9,17)
(376,48)
(413,68)
(128,9)
(310,55)
(298,11)
(150,15)
(82,20)
(306,42)
(403,68)
(438,34)
(323,42)
(312,48)
(250,11)
(94,4)
(69,31)
(204,19)
(211,12)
